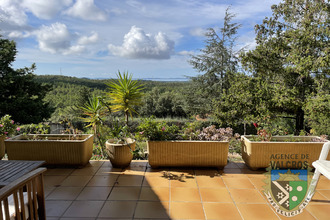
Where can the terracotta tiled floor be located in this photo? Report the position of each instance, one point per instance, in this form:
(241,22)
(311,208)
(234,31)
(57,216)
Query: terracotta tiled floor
(99,191)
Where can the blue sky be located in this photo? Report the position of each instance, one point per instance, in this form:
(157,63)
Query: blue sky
(96,38)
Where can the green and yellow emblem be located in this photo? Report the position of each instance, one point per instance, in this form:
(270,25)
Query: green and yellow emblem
(286,190)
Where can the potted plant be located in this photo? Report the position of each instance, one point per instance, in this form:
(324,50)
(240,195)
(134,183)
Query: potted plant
(7,128)
(55,149)
(295,152)
(202,148)
(120,148)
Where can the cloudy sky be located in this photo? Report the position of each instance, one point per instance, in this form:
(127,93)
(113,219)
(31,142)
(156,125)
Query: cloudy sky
(96,38)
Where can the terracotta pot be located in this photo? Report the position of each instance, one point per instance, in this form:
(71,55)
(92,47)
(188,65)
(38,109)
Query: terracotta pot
(120,154)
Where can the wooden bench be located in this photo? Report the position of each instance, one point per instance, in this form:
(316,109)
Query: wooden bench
(24,197)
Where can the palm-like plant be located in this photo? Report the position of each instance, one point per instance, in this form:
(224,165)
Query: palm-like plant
(125,94)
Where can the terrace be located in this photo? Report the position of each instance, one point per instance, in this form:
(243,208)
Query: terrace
(99,191)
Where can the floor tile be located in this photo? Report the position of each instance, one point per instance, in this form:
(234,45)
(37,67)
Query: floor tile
(80,218)
(210,182)
(189,182)
(108,170)
(325,193)
(54,180)
(256,212)
(232,165)
(246,196)
(64,193)
(151,210)
(95,163)
(221,211)
(86,171)
(319,198)
(321,212)
(305,215)
(58,172)
(104,180)
(155,194)
(156,181)
(207,172)
(185,195)
(118,209)
(129,180)
(125,193)
(238,183)
(84,209)
(56,208)
(186,210)
(323,184)
(258,183)
(76,181)
(155,172)
(94,193)
(215,195)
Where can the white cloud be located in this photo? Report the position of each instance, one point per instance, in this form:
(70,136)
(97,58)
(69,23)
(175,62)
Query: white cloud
(86,10)
(89,40)
(139,45)
(11,13)
(56,38)
(186,53)
(45,9)
(198,32)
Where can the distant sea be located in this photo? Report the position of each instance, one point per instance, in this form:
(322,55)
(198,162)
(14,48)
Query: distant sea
(166,79)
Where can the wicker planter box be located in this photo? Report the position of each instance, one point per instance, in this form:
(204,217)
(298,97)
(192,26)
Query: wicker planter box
(188,153)
(54,149)
(280,153)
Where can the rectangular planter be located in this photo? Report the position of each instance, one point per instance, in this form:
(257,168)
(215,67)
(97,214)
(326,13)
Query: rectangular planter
(54,149)
(188,153)
(280,152)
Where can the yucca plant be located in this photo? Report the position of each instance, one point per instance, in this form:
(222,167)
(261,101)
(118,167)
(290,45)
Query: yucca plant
(95,111)
(125,94)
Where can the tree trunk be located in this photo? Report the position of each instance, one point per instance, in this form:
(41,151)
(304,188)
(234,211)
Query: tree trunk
(299,121)
(126,118)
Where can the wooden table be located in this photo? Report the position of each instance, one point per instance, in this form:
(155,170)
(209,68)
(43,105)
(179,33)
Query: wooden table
(10,170)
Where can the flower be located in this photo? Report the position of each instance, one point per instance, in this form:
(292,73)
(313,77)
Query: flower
(141,132)
(163,128)
(256,125)
(7,126)
(18,129)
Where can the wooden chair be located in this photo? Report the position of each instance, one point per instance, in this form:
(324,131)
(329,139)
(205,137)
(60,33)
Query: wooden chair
(24,198)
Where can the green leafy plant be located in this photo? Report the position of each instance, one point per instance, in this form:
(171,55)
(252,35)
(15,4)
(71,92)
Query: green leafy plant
(7,126)
(125,94)
(156,131)
(34,129)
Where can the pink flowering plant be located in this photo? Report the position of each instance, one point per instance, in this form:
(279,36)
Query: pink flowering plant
(7,126)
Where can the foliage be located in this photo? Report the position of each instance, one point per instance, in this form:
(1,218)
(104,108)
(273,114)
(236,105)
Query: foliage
(125,94)
(35,129)
(94,112)
(292,53)
(163,104)
(156,131)
(318,111)
(20,95)
(217,60)
(211,133)
(7,126)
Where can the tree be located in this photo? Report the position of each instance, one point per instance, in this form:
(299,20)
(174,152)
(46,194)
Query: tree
(217,61)
(20,95)
(125,94)
(292,54)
